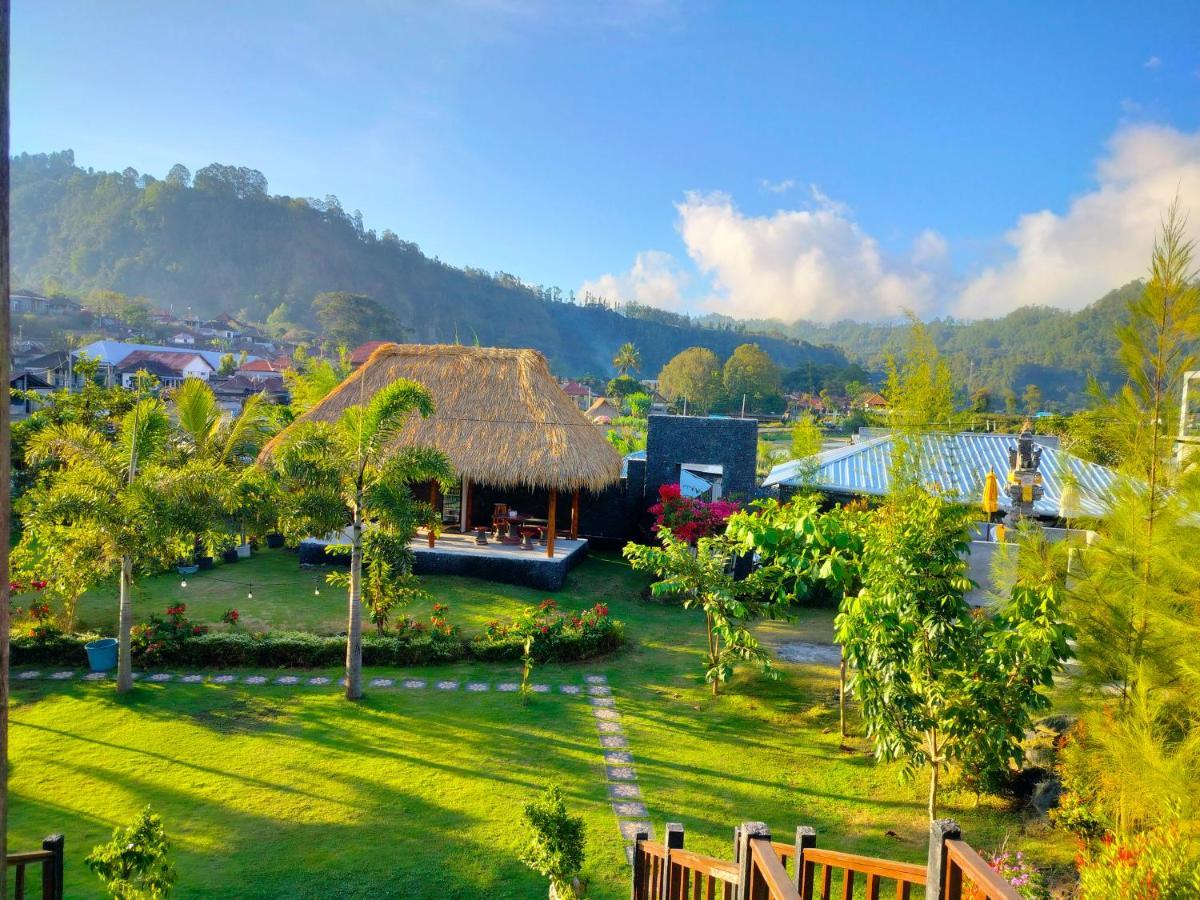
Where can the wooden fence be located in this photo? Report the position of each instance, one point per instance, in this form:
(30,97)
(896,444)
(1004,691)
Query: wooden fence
(51,859)
(763,869)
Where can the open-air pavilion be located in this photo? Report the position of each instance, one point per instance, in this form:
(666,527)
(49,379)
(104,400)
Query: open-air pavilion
(522,450)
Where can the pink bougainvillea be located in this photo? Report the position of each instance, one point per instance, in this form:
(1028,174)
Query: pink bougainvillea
(687,518)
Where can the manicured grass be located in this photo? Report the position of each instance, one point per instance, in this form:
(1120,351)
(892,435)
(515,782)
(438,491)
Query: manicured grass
(286,792)
(284,597)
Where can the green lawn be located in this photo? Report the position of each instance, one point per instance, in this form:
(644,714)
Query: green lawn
(278,792)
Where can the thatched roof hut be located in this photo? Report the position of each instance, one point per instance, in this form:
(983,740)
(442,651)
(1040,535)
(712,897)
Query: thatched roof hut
(500,416)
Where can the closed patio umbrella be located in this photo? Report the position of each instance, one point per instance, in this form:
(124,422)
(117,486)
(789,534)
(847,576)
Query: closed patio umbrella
(991,493)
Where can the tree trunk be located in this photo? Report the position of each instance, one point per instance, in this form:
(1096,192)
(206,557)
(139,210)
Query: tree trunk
(842,696)
(125,628)
(354,621)
(713,657)
(933,789)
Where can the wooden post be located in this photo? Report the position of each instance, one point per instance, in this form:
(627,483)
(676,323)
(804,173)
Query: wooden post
(638,891)
(464,511)
(672,841)
(550,522)
(747,832)
(5,435)
(575,515)
(52,869)
(940,831)
(806,839)
(433,503)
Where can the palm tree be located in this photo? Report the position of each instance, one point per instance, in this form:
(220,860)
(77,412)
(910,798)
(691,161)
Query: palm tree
(346,473)
(628,357)
(122,496)
(230,442)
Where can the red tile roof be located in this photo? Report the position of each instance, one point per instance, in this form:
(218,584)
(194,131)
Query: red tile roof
(575,389)
(363,352)
(258,365)
(175,360)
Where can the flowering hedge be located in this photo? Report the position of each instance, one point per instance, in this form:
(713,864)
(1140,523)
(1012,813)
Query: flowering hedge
(687,518)
(175,641)
(557,636)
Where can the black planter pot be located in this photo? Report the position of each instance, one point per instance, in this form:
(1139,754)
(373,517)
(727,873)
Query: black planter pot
(204,562)
(230,556)
(275,541)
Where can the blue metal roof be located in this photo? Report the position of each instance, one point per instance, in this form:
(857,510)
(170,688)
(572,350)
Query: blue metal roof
(957,463)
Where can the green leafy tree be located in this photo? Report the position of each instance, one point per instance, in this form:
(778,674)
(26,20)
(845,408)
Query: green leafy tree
(981,401)
(349,474)
(694,375)
(125,497)
(751,372)
(228,365)
(553,845)
(627,358)
(352,319)
(700,577)
(1010,401)
(807,441)
(805,555)
(938,683)
(135,864)
(639,404)
(920,390)
(388,582)
(1031,398)
(622,387)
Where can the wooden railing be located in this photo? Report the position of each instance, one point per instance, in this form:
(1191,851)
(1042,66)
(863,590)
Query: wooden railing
(51,859)
(763,869)
(968,876)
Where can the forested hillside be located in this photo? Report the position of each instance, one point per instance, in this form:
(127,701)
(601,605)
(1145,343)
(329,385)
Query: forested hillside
(1051,348)
(221,242)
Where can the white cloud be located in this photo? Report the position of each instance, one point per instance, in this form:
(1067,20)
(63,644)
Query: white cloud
(655,279)
(1104,238)
(1152,63)
(819,263)
(778,187)
(812,263)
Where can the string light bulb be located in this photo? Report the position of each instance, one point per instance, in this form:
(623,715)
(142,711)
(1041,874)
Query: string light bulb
(183,583)
(317,591)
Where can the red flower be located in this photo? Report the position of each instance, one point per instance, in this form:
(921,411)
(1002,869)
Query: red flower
(545,629)
(548,604)
(196,629)
(15,587)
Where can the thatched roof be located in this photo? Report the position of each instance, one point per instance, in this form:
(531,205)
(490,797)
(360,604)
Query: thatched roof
(501,417)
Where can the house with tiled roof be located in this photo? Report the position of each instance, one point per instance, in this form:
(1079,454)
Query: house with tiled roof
(170,367)
(581,396)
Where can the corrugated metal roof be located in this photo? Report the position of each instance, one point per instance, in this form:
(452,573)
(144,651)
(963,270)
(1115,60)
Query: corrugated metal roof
(111,353)
(957,463)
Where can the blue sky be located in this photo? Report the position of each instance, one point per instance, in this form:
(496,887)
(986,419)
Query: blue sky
(754,159)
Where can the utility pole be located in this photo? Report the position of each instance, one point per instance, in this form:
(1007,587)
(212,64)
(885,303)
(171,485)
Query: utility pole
(743,406)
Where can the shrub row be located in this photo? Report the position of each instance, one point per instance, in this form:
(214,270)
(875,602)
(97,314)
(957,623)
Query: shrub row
(299,650)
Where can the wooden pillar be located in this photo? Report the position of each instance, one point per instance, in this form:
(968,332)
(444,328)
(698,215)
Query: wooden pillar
(940,831)
(465,512)
(550,522)
(672,840)
(575,515)
(433,503)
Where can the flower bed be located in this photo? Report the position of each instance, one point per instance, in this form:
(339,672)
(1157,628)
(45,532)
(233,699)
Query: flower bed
(176,642)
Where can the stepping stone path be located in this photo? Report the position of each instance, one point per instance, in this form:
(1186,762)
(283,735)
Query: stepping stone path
(623,789)
(628,805)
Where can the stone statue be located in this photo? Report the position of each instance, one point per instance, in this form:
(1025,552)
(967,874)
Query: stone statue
(1024,485)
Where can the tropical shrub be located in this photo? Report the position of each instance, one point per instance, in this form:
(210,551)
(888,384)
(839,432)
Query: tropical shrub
(1024,877)
(134,864)
(161,638)
(553,842)
(687,518)
(1161,864)
(557,636)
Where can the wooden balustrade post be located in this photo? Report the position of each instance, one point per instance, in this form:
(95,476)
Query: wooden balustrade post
(551,513)
(52,869)
(638,891)
(806,839)
(940,831)
(672,841)
(747,832)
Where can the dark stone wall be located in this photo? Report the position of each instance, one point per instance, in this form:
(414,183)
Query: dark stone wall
(730,443)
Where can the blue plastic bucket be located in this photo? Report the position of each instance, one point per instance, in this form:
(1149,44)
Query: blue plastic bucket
(102,654)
